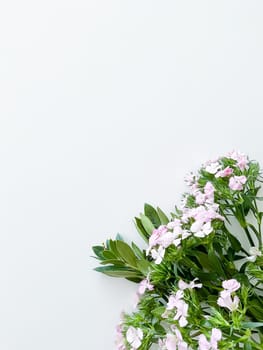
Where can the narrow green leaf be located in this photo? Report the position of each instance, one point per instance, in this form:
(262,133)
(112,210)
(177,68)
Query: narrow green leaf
(247,346)
(252,324)
(152,214)
(119,237)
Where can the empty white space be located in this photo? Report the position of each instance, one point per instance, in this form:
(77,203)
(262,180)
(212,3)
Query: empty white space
(105,105)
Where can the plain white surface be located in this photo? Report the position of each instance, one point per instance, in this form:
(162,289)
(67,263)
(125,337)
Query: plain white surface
(106,105)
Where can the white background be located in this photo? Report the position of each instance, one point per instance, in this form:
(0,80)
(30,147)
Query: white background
(105,105)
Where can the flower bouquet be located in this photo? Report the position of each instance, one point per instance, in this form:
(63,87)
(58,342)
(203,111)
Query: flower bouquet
(200,277)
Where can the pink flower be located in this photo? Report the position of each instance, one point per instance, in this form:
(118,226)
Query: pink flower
(240,158)
(175,341)
(204,344)
(134,337)
(156,235)
(181,313)
(158,254)
(225,300)
(176,302)
(119,342)
(167,239)
(209,192)
(236,182)
(183,285)
(174,299)
(200,198)
(231,285)
(190,179)
(144,285)
(225,172)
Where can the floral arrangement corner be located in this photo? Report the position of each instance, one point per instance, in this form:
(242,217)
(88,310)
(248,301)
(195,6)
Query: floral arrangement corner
(200,279)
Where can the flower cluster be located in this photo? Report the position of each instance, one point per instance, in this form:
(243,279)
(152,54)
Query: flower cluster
(199,287)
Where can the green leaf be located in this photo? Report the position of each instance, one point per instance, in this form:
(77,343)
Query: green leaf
(118,271)
(236,245)
(119,237)
(143,266)
(255,307)
(113,248)
(158,311)
(252,324)
(164,219)
(137,251)
(215,262)
(98,251)
(141,230)
(247,346)
(108,254)
(203,260)
(114,262)
(152,214)
(147,224)
(126,253)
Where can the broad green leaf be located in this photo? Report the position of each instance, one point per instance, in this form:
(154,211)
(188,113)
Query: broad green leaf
(98,251)
(141,230)
(118,271)
(113,247)
(147,224)
(137,251)
(203,260)
(236,245)
(126,253)
(215,262)
(114,262)
(152,214)
(143,266)
(164,219)
(108,254)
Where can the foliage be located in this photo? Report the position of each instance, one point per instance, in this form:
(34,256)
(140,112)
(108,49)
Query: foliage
(201,276)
